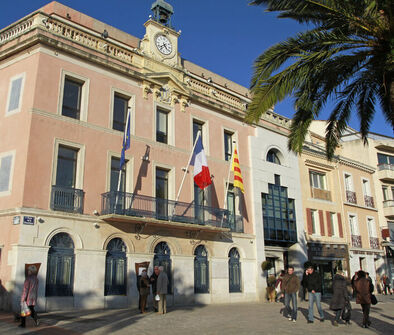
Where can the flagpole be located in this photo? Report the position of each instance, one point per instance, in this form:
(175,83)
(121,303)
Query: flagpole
(228,183)
(186,169)
(120,168)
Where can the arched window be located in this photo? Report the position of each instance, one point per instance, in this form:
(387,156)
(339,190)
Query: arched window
(60,269)
(273,156)
(234,270)
(201,270)
(116,268)
(163,258)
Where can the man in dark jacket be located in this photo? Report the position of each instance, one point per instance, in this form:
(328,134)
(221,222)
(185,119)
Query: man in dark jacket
(153,283)
(313,286)
(291,285)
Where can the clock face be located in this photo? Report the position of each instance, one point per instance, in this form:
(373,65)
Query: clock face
(163,44)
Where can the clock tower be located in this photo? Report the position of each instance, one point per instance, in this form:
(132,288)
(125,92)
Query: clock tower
(161,40)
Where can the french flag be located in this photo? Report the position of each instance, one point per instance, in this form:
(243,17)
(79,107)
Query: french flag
(202,177)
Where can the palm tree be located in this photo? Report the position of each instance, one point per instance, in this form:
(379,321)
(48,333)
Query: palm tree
(347,55)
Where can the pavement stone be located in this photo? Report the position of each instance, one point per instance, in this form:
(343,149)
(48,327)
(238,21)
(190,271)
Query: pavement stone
(246,318)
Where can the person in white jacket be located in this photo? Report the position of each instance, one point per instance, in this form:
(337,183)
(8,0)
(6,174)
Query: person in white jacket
(162,290)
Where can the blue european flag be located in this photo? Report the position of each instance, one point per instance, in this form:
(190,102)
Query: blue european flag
(126,143)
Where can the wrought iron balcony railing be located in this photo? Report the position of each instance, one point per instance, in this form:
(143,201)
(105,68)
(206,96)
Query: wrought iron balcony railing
(356,241)
(67,199)
(135,205)
(351,197)
(374,242)
(369,201)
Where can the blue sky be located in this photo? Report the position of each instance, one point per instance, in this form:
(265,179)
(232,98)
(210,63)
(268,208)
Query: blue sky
(224,36)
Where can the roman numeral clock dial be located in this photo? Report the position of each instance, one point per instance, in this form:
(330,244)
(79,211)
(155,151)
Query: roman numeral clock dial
(163,44)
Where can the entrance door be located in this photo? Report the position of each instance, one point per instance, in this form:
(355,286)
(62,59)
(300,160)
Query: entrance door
(327,274)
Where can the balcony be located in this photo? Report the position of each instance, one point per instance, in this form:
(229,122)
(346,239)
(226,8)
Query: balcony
(369,201)
(356,241)
(351,197)
(374,242)
(318,193)
(67,199)
(137,206)
(388,208)
(386,172)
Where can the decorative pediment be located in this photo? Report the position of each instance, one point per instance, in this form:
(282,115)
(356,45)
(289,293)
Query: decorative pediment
(166,88)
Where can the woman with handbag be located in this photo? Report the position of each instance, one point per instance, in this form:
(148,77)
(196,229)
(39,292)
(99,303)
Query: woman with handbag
(339,296)
(29,294)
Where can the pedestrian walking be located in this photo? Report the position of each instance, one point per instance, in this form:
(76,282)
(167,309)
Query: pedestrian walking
(153,283)
(386,285)
(364,288)
(313,285)
(144,290)
(339,296)
(162,290)
(290,286)
(29,294)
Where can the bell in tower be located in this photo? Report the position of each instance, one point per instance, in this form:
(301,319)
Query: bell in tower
(162,12)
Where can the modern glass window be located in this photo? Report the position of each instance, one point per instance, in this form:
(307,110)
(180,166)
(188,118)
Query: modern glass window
(161,193)
(228,145)
(15,94)
(385,159)
(60,268)
(353,225)
(318,180)
(114,180)
(163,258)
(197,127)
(66,166)
(234,269)
(161,126)
(116,268)
(278,215)
(5,172)
(121,104)
(72,98)
(272,156)
(201,270)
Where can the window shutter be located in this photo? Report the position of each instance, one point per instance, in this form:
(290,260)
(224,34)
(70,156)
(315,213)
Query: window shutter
(340,225)
(321,219)
(329,230)
(309,221)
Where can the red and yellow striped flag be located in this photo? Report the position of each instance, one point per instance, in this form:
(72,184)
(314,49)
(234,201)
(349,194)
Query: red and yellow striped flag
(238,182)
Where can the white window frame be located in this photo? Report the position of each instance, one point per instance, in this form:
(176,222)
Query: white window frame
(354,229)
(371,226)
(7,154)
(234,138)
(351,185)
(315,222)
(205,133)
(129,170)
(131,108)
(83,115)
(170,123)
(366,186)
(334,224)
(18,109)
(320,187)
(79,178)
(171,179)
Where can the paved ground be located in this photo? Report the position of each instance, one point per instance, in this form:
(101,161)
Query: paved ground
(262,318)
